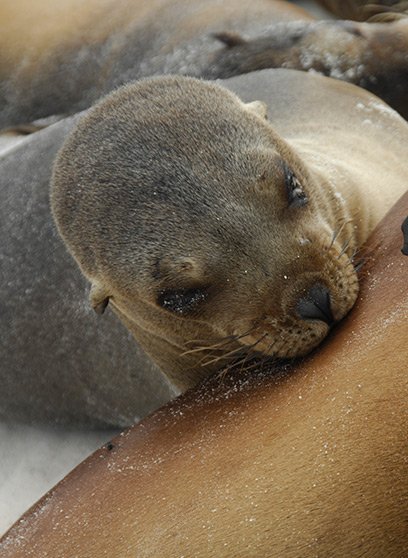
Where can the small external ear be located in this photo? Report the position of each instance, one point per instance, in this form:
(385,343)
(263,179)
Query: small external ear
(259,108)
(229,38)
(99,298)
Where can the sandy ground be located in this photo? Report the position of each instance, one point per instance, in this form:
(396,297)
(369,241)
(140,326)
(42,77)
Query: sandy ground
(33,459)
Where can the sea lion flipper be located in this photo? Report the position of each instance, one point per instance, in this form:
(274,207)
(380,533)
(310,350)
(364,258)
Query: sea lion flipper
(27,128)
(258,107)
(22,129)
(99,298)
(230,38)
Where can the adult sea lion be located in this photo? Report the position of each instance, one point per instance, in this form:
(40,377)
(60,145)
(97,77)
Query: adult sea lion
(84,51)
(58,58)
(305,462)
(216,234)
(58,364)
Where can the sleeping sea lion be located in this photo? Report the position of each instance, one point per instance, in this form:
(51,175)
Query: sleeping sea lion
(84,51)
(59,58)
(216,234)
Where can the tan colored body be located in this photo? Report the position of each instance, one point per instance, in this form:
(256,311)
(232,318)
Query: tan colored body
(305,462)
(347,135)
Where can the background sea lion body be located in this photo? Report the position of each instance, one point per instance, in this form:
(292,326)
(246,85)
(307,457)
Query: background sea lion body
(191,214)
(370,55)
(83,52)
(59,364)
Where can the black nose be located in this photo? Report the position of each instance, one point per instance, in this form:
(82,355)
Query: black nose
(316,305)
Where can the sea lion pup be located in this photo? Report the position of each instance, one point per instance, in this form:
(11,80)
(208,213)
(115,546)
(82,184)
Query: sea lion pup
(371,55)
(311,463)
(216,234)
(59,364)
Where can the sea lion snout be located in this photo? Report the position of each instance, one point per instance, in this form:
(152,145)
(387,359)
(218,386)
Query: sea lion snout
(316,305)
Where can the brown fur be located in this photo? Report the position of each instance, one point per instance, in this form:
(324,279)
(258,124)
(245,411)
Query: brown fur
(307,462)
(172,196)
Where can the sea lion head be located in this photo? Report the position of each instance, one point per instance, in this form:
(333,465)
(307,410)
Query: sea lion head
(204,229)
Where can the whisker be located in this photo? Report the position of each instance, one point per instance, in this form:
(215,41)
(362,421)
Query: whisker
(223,355)
(344,248)
(247,355)
(358,266)
(338,232)
(246,348)
(223,341)
(252,356)
(354,254)
(205,348)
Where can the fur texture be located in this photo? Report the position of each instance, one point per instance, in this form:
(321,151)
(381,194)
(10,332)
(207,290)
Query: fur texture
(176,199)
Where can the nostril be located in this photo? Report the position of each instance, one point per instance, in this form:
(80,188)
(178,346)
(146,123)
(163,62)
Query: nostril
(316,305)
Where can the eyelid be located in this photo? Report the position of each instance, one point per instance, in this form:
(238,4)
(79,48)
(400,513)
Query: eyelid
(296,195)
(181,301)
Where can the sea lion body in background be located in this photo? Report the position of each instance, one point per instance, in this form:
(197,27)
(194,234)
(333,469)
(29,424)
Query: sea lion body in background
(370,55)
(75,53)
(81,52)
(59,365)
(219,236)
(310,461)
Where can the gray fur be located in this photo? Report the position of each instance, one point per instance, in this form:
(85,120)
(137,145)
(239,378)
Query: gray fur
(60,363)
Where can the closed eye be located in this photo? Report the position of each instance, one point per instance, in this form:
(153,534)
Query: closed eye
(294,189)
(181,301)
